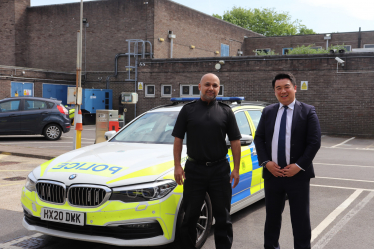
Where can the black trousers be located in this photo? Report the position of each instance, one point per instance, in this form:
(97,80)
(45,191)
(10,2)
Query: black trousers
(297,191)
(214,180)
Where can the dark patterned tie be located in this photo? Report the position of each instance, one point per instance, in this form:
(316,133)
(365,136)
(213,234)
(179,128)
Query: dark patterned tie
(282,162)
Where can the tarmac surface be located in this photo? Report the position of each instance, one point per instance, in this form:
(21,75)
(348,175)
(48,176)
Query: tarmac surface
(342,197)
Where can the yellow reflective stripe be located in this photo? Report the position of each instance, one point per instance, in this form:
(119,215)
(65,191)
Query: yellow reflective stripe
(256,177)
(44,166)
(152,170)
(240,107)
(119,205)
(169,213)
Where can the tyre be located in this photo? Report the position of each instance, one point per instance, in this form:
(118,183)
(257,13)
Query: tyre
(203,226)
(52,132)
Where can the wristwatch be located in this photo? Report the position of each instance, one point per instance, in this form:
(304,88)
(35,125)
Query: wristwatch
(264,163)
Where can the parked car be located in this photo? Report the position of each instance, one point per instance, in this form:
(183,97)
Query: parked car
(122,192)
(32,115)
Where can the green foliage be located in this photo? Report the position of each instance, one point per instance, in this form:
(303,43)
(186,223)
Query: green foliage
(264,53)
(309,50)
(265,21)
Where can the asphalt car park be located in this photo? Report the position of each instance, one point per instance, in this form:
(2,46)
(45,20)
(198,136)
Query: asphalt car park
(342,199)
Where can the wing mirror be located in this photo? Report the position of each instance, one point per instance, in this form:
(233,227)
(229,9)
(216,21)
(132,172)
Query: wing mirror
(245,140)
(109,134)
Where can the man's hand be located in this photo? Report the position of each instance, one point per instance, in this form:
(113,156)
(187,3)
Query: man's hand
(179,174)
(235,175)
(291,170)
(275,169)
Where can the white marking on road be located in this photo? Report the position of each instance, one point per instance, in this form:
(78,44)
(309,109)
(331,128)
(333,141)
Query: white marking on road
(82,138)
(345,165)
(9,244)
(43,143)
(340,148)
(3,156)
(329,186)
(332,216)
(14,170)
(343,179)
(12,184)
(329,235)
(346,141)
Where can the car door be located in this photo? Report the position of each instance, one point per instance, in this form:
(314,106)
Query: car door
(243,189)
(257,181)
(10,117)
(34,116)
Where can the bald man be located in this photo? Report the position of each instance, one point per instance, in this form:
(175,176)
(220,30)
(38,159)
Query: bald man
(207,171)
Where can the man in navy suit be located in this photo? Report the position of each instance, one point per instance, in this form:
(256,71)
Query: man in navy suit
(287,139)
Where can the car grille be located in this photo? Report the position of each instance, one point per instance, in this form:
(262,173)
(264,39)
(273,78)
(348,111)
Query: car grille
(53,192)
(88,195)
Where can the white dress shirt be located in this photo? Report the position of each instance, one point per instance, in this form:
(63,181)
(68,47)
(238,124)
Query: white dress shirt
(274,143)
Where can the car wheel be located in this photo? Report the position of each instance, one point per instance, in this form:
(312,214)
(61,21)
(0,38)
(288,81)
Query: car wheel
(52,132)
(203,225)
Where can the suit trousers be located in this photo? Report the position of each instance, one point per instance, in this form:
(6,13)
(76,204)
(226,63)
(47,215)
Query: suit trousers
(214,180)
(297,191)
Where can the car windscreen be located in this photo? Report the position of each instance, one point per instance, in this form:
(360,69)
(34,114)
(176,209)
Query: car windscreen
(154,127)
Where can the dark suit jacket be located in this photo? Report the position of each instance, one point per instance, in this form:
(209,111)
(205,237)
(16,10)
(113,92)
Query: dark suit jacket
(305,137)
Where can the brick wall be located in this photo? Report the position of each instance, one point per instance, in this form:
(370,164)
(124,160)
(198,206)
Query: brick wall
(52,42)
(37,77)
(195,28)
(277,43)
(7,32)
(343,100)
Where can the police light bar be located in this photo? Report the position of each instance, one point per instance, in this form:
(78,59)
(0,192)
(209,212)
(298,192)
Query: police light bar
(218,99)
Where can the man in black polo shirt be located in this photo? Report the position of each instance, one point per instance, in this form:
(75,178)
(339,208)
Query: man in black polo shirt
(207,170)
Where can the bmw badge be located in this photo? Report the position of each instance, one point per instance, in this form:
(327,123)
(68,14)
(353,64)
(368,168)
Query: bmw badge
(73,176)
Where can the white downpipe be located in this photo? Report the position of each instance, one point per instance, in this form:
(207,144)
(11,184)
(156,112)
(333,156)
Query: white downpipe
(171,47)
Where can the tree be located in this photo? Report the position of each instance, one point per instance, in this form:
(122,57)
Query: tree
(265,21)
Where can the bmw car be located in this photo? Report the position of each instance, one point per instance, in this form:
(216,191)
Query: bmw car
(122,192)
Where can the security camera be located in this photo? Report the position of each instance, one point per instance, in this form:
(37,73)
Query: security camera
(339,60)
(333,51)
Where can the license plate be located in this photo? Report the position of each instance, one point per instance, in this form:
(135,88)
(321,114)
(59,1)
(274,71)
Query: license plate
(63,216)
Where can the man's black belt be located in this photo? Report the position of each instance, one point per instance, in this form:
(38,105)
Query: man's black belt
(206,163)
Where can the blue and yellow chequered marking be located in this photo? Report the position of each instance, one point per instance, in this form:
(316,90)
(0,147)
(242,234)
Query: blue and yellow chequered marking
(250,174)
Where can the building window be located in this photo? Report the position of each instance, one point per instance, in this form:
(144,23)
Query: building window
(165,90)
(348,48)
(368,45)
(262,50)
(286,50)
(225,50)
(189,90)
(150,90)
(316,47)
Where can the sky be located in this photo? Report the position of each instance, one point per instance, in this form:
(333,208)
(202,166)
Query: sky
(323,16)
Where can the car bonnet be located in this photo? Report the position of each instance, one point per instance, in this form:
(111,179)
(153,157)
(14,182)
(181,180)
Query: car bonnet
(109,163)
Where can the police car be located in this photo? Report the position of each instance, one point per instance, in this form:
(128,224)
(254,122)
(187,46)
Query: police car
(122,192)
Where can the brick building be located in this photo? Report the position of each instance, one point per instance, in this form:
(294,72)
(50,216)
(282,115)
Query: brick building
(280,44)
(39,46)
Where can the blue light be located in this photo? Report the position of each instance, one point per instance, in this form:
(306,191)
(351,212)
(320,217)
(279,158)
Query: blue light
(197,98)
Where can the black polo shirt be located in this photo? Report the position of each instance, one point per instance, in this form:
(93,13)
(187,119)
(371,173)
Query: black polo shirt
(206,127)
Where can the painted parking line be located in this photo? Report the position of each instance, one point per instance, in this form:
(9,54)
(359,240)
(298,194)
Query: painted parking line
(23,182)
(346,141)
(340,148)
(330,234)
(332,216)
(43,143)
(339,187)
(344,165)
(32,241)
(342,179)
(13,170)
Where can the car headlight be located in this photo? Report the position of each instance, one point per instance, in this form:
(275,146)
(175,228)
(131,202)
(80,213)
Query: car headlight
(31,182)
(143,192)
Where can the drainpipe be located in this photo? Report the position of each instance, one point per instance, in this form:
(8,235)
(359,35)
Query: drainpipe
(172,37)
(115,70)
(359,38)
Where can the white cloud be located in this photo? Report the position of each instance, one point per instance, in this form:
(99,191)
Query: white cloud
(360,9)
